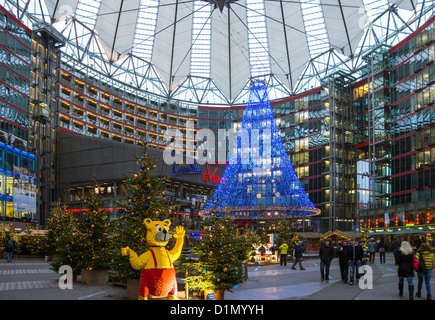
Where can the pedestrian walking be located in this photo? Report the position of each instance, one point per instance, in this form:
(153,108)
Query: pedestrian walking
(9,248)
(404,261)
(343,260)
(417,243)
(372,249)
(298,256)
(326,254)
(395,245)
(283,253)
(272,251)
(382,249)
(428,263)
(355,255)
(276,252)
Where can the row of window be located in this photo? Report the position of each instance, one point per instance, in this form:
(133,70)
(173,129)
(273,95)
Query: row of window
(416,82)
(413,45)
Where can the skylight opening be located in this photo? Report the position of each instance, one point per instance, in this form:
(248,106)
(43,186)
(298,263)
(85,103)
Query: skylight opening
(87,12)
(200,64)
(315,27)
(257,38)
(145,29)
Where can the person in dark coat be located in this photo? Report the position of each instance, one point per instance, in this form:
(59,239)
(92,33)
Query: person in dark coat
(404,261)
(382,249)
(343,260)
(9,248)
(417,243)
(298,256)
(326,254)
(395,246)
(355,254)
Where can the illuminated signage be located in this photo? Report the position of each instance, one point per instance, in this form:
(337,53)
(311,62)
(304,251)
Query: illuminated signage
(187,169)
(209,177)
(197,235)
(212,178)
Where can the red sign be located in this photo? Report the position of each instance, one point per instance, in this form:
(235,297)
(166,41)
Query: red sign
(212,178)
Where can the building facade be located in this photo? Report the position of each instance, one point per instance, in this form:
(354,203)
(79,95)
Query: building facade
(19,189)
(361,144)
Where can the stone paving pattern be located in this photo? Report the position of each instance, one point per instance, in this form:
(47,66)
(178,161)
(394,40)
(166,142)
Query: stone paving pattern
(33,280)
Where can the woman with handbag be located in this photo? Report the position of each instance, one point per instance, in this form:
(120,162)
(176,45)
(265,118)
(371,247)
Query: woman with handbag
(426,258)
(404,261)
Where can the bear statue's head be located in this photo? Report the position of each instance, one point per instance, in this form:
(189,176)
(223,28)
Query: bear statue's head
(157,232)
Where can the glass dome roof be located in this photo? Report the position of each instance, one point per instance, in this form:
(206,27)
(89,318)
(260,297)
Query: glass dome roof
(208,51)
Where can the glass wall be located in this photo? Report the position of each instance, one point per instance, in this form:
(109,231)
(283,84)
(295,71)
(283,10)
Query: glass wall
(15,42)
(18,184)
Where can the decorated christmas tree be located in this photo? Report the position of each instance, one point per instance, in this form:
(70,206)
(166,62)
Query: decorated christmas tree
(32,243)
(95,230)
(64,239)
(259,182)
(221,253)
(145,200)
(283,234)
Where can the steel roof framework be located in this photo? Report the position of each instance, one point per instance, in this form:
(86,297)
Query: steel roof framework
(173,52)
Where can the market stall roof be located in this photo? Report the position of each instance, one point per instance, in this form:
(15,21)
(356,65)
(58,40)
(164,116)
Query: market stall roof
(334,235)
(33,232)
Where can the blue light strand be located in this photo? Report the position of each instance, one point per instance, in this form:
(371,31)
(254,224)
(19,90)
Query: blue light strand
(262,186)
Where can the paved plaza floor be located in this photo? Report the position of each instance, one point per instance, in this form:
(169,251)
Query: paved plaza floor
(277,282)
(33,280)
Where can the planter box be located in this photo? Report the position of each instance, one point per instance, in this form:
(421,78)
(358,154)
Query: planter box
(95,277)
(132,289)
(217,294)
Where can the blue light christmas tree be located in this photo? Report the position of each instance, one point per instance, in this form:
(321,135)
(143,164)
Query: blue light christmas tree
(259,181)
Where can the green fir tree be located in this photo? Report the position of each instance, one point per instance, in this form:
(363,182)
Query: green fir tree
(63,238)
(145,200)
(95,234)
(221,253)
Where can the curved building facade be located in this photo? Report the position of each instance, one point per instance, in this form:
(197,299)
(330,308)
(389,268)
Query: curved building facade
(360,141)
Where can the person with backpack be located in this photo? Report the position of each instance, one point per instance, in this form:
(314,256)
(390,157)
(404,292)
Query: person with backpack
(427,263)
(9,247)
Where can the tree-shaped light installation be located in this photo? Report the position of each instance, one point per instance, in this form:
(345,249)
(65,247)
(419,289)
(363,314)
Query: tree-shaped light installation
(259,181)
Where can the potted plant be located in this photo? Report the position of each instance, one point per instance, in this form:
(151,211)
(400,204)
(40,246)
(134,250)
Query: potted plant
(221,254)
(95,229)
(145,200)
(63,240)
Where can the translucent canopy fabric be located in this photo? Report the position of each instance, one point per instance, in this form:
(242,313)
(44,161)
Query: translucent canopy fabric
(230,32)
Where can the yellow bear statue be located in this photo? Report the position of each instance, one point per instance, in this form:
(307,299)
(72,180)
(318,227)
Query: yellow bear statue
(158,274)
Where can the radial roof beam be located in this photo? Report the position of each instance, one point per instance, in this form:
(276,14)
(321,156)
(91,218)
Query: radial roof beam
(116,24)
(173,40)
(229,49)
(405,4)
(342,18)
(287,40)
(60,9)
